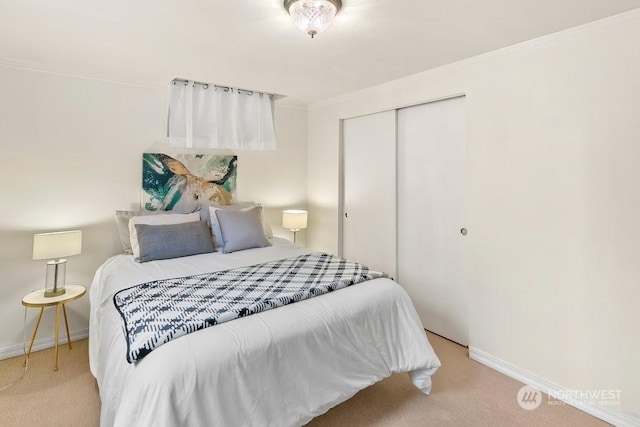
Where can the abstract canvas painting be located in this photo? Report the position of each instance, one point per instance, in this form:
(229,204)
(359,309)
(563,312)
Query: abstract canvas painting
(184,181)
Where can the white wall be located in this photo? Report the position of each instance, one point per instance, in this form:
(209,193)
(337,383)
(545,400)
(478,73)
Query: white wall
(72,154)
(553,146)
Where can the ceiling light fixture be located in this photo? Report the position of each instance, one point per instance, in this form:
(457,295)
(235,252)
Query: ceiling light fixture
(312,16)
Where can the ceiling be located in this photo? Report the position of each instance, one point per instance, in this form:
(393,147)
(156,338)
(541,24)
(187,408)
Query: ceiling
(252,44)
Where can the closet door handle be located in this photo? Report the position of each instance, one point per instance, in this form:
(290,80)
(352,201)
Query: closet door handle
(346,215)
(463,231)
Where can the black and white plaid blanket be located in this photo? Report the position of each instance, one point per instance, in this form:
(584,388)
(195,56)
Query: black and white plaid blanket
(156,312)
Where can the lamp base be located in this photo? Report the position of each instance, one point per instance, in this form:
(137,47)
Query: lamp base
(48,293)
(56,275)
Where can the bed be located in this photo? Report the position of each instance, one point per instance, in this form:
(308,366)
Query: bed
(280,367)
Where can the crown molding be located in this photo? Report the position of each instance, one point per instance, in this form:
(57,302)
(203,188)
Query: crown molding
(30,66)
(292,104)
(281,101)
(599,25)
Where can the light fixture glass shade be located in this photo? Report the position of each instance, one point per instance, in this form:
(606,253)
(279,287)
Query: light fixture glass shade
(313,16)
(294,220)
(56,245)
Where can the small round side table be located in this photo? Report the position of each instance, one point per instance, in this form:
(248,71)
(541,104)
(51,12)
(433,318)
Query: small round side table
(38,300)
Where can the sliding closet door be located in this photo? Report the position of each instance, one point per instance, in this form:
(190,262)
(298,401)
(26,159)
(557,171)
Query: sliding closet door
(369,191)
(431,250)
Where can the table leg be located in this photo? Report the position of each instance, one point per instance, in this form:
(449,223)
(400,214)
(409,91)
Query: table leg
(55,366)
(33,337)
(66,323)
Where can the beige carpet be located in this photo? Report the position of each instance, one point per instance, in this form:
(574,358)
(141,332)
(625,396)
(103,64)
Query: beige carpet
(465,393)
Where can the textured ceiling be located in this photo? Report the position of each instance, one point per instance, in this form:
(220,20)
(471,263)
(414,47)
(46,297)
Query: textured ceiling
(251,43)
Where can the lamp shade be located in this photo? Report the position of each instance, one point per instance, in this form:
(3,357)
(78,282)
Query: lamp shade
(294,219)
(57,245)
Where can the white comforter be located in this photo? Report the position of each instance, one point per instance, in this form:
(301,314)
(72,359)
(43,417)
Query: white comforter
(281,367)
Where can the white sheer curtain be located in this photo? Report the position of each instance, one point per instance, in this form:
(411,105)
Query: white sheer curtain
(209,116)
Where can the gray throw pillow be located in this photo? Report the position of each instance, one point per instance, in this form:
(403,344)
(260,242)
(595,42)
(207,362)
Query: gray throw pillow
(122,222)
(215,227)
(173,240)
(241,229)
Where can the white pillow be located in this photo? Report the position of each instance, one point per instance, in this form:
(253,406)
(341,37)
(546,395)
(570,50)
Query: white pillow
(156,220)
(215,225)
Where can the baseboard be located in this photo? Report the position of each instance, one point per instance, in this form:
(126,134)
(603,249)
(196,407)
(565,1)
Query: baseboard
(41,344)
(607,414)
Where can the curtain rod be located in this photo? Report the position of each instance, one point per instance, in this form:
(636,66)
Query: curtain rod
(226,88)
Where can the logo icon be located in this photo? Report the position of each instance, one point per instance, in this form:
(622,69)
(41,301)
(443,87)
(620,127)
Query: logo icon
(529,398)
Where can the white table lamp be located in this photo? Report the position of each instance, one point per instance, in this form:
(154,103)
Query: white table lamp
(295,220)
(55,246)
